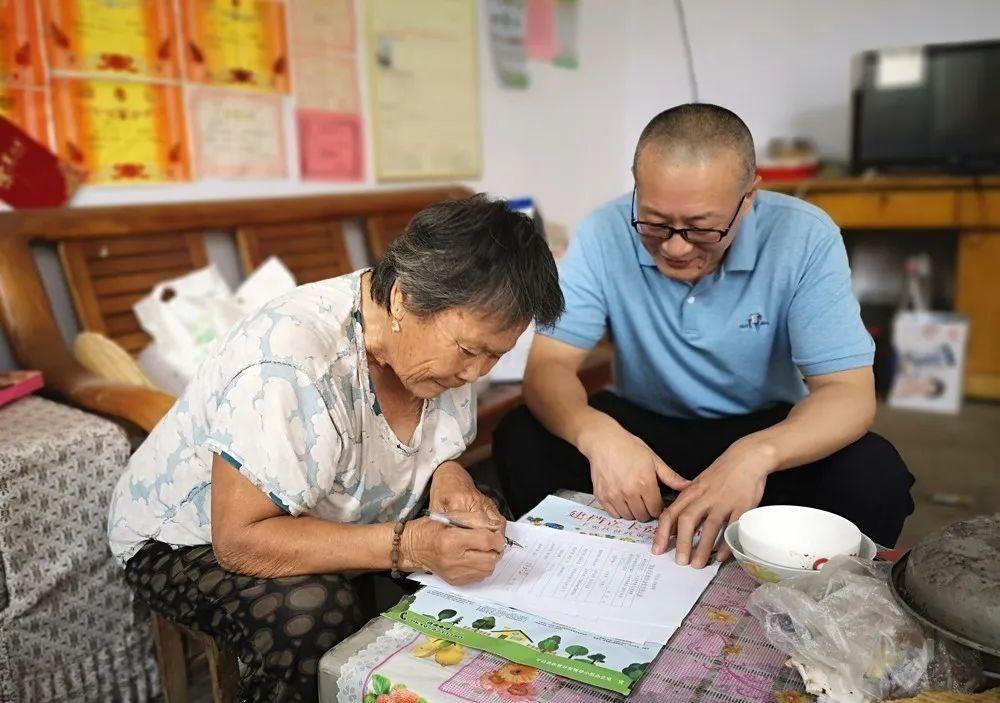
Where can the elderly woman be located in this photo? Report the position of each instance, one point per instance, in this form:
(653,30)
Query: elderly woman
(304,447)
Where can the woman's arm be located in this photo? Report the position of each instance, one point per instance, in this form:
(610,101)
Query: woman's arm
(251,535)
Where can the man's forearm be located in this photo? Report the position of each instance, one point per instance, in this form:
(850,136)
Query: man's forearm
(557,398)
(825,421)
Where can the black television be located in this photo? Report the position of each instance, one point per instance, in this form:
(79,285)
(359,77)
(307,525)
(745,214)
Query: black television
(932,108)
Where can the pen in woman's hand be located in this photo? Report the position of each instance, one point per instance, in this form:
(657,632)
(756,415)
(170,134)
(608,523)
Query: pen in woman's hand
(444,519)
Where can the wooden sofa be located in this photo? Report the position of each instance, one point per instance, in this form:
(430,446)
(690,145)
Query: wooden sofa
(113,256)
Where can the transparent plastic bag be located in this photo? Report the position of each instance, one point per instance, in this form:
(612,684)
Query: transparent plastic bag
(845,633)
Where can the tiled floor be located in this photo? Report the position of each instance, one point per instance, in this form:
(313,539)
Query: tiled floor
(950,455)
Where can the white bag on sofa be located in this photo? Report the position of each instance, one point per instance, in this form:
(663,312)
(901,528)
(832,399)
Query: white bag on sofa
(187,315)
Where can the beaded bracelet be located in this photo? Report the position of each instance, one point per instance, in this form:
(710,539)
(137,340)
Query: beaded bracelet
(397,535)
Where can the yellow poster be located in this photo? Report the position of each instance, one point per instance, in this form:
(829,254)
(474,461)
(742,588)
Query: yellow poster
(424,87)
(121,132)
(127,37)
(20,45)
(28,109)
(240,44)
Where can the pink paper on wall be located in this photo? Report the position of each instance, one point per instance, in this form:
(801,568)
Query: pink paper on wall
(540,29)
(330,146)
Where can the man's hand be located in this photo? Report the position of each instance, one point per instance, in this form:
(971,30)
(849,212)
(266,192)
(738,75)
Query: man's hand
(454,491)
(733,484)
(625,472)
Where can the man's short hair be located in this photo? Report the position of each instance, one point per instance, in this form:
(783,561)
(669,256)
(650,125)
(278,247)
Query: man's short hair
(697,131)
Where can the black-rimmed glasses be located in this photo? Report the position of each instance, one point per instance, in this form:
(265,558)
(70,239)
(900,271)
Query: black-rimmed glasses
(694,235)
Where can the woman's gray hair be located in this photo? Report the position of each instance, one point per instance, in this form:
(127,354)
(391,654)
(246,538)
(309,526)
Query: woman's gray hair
(474,253)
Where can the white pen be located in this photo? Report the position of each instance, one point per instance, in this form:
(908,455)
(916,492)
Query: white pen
(444,519)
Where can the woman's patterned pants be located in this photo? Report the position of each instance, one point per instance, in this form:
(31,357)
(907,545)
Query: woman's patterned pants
(279,628)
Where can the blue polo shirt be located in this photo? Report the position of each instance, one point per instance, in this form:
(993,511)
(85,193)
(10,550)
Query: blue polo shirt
(779,307)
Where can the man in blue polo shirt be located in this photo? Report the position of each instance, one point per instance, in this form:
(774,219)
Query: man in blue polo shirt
(720,299)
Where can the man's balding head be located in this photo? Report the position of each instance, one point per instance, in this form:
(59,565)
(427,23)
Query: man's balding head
(698,133)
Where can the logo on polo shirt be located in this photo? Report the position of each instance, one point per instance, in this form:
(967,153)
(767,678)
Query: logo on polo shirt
(755,321)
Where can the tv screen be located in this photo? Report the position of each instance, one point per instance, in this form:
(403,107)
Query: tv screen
(935,107)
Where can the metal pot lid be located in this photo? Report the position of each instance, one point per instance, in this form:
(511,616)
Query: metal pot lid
(951,580)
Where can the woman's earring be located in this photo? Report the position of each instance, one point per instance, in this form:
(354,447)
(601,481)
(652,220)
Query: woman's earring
(395,325)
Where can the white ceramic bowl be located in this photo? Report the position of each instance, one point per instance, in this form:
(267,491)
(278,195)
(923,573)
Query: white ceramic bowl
(765,572)
(797,537)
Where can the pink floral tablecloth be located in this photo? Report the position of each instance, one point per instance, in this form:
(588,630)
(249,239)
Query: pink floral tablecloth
(719,655)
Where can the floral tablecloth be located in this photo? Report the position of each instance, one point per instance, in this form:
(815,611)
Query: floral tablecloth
(719,655)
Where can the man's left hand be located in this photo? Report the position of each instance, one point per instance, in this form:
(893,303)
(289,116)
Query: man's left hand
(733,484)
(454,491)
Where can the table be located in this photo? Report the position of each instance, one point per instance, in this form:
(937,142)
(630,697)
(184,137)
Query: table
(719,655)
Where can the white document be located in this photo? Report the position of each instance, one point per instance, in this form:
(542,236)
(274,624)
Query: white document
(621,588)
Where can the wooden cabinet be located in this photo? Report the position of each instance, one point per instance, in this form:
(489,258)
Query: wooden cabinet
(969,206)
(978,296)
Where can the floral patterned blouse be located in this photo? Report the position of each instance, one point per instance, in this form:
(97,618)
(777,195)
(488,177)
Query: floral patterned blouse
(287,400)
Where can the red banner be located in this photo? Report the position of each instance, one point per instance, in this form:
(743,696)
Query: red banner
(30,175)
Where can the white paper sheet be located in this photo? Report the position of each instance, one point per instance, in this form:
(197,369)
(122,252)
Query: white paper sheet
(622,588)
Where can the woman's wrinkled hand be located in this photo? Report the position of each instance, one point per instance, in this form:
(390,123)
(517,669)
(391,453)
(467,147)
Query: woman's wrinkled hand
(453,491)
(459,556)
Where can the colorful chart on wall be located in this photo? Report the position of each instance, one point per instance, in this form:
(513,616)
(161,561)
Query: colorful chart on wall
(126,37)
(424,87)
(28,109)
(20,44)
(121,132)
(241,44)
(237,134)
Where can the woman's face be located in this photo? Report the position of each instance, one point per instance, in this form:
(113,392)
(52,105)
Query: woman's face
(448,350)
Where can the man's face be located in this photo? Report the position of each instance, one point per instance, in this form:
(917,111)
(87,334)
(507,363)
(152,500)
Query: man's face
(702,195)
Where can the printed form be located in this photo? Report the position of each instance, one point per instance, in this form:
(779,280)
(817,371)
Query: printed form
(619,589)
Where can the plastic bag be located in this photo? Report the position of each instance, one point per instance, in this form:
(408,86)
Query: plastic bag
(849,639)
(186,316)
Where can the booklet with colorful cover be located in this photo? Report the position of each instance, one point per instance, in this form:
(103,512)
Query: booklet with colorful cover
(522,638)
(562,514)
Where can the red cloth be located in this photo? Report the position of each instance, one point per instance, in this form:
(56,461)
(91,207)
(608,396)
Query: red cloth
(30,175)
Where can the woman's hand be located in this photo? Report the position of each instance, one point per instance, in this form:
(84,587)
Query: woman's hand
(457,555)
(453,491)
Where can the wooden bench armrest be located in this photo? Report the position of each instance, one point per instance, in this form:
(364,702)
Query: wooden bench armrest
(139,405)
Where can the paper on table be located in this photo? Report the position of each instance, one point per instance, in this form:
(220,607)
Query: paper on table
(613,580)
